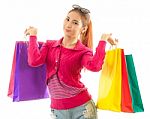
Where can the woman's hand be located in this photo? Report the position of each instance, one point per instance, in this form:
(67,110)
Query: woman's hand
(31,31)
(112,42)
(107,37)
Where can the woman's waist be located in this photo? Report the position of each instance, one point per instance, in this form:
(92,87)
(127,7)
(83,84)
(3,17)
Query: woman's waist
(72,102)
(70,80)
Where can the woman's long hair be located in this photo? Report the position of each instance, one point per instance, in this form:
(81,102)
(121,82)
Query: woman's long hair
(86,37)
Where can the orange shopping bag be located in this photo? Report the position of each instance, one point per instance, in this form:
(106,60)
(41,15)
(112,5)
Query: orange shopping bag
(118,86)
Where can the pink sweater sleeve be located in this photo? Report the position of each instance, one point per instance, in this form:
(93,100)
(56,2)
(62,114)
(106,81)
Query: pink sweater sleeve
(36,56)
(95,62)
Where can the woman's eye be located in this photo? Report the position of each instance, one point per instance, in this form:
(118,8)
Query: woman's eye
(75,23)
(67,19)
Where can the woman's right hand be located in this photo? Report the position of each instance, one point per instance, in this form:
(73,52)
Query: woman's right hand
(31,31)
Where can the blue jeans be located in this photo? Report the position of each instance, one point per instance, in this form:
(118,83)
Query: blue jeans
(85,111)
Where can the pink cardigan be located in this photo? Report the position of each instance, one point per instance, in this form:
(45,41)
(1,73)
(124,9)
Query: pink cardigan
(68,66)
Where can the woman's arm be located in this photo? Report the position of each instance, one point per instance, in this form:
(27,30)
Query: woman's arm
(36,56)
(94,62)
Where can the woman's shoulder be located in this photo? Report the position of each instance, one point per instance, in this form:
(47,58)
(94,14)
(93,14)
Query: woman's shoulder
(83,47)
(54,42)
(51,43)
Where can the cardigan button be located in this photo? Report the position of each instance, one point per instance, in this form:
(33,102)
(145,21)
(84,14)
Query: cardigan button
(56,68)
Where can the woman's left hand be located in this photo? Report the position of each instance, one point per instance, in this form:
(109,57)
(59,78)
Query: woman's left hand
(108,38)
(112,41)
(105,37)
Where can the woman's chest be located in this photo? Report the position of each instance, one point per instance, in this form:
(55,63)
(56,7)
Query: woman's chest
(65,57)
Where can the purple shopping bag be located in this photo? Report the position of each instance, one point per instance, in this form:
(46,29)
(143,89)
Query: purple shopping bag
(29,82)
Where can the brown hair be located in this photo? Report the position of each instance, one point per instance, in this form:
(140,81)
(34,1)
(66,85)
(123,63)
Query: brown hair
(86,37)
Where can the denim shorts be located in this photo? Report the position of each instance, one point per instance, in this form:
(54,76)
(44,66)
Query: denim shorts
(85,111)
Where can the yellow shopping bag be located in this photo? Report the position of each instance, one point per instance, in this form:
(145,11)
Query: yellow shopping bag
(109,97)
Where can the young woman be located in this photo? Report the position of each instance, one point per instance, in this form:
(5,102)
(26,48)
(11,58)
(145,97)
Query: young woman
(65,58)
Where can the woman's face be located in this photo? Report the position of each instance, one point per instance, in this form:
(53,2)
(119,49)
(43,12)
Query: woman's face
(72,25)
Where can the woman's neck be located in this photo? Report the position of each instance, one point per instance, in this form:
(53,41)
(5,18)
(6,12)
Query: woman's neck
(69,42)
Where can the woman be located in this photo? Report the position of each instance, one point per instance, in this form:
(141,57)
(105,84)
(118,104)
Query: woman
(65,58)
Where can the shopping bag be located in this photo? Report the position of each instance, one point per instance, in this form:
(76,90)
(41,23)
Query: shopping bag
(109,93)
(134,87)
(11,82)
(26,82)
(126,99)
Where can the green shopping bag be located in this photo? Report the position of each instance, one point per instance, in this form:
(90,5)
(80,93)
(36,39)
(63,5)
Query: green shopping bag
(137,104)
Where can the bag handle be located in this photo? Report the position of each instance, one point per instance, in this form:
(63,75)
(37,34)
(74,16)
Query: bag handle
(26,40)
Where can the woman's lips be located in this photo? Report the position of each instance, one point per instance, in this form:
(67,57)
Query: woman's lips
(67,30)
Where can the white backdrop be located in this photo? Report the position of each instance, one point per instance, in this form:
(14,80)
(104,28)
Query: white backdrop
(127,20)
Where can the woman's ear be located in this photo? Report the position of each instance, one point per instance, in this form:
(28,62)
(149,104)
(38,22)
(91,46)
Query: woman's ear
(84,29)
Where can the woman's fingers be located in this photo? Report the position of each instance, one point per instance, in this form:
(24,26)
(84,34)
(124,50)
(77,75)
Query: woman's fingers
(106,36)
(31,31)
(112,41)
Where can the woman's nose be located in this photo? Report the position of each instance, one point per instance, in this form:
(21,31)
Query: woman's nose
(68,25)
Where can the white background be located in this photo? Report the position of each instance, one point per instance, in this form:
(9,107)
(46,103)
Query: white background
(127,20)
